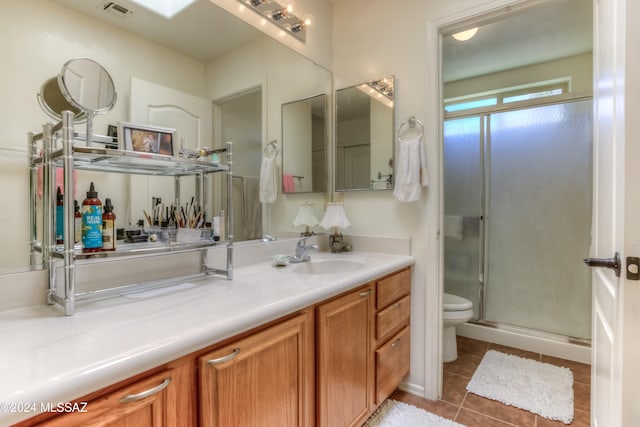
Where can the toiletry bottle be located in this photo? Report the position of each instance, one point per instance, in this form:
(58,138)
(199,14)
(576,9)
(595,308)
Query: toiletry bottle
(77,223)
(91,222)
(59,217)
(108,227)
(216,228)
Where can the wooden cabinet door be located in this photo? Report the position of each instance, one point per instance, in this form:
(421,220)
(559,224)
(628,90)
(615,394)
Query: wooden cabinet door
(345,359)
(147,403)
(265,379)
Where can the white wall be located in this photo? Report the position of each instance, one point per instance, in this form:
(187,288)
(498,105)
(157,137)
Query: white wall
(398,43)
(577,68)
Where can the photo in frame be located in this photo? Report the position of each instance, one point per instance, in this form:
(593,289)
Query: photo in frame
(145,138)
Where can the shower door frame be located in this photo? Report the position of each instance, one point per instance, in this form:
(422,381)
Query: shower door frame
(484,114)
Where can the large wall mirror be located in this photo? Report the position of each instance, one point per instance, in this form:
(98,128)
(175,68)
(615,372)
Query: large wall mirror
(202,53)
(304,145)
(364,136)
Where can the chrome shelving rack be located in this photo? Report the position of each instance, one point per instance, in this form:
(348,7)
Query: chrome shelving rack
(70,157)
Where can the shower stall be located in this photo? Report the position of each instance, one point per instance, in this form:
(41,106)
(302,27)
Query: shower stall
(518,190)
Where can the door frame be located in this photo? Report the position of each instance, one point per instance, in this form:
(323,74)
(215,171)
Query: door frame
(435,114)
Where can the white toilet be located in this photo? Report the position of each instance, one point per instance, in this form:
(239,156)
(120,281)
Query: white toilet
(457,310)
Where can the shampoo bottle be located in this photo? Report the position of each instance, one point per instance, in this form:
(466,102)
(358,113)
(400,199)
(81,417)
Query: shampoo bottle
(59,217)
(91,222)
(108,227)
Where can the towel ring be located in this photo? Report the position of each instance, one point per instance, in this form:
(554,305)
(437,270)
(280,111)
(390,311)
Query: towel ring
(271,145)
(411,122)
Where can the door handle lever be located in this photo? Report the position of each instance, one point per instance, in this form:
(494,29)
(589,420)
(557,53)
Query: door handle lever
(612,263)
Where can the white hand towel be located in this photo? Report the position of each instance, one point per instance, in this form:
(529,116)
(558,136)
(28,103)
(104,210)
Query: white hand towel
(411,170)
(268,180)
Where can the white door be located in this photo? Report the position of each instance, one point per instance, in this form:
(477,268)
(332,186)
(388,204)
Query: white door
(615,346)
(190,115)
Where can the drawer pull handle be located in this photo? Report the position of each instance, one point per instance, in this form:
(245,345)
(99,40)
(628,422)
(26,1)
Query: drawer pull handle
(398,305)
(223,359)
(143,395)
(395,343)
(365,293)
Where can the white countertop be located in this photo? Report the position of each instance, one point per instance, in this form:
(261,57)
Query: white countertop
(48,357)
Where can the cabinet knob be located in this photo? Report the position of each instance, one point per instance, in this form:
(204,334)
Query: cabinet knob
(143,395)
(395,343)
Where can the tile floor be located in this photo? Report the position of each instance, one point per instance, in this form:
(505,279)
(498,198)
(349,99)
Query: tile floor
(475,411)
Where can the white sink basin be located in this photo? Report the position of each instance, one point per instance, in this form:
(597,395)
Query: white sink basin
(328,266)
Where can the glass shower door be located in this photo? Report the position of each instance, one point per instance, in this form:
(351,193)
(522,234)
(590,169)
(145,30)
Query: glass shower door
(538,195)
(463,205)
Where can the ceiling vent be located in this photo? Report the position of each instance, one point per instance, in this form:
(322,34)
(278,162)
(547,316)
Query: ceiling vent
(116,9)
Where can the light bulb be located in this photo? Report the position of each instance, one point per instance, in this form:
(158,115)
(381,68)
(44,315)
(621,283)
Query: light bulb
(465,35)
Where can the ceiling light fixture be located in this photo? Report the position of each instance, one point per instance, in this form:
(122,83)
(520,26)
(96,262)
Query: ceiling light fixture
(463,36)
(281,15)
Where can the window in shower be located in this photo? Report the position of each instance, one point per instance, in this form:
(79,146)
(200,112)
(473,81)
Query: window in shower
(507,95)
(518,216)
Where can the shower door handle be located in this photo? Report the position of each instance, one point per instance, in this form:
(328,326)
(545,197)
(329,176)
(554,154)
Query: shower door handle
(612,263)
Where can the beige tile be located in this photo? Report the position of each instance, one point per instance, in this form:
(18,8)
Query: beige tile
(454,388)
(465,365)
(582,397)
(474,419)
(500,411)
(471,347)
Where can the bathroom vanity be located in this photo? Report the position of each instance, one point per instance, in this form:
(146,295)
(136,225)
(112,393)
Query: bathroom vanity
(270,347)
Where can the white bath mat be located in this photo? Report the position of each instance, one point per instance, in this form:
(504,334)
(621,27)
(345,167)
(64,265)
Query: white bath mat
(397,414)
(541,388)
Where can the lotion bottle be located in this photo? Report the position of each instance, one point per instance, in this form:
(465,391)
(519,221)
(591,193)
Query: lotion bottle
(91,222)
(108,227)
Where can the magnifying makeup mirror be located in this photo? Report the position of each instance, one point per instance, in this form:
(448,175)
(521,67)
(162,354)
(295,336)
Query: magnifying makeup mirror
(53,102)
(83,87)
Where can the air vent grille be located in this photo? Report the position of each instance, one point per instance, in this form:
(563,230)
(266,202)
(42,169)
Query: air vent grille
(117,9)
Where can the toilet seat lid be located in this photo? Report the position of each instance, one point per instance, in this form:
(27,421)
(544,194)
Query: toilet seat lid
(456,303)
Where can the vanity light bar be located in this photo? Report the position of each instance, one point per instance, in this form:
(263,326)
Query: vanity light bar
(279,15)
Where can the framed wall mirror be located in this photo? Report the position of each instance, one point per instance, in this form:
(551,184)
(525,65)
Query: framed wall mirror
(364,136)
(202,51)
(304,145)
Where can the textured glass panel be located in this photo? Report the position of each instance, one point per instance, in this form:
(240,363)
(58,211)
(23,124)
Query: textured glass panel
(463,207)
(539,218)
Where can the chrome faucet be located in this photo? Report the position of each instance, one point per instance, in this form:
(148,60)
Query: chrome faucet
(302,250)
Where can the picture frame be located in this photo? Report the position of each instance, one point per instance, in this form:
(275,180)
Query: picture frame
(112,131)
(145,138)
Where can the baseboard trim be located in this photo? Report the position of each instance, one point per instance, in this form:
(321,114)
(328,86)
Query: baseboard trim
(418,390)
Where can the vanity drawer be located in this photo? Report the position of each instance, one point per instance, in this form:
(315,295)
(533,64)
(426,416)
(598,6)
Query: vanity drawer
(392,288)
(392,317)
(392,364)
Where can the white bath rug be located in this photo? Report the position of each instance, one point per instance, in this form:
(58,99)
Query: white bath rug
(541,388)
(398,414)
